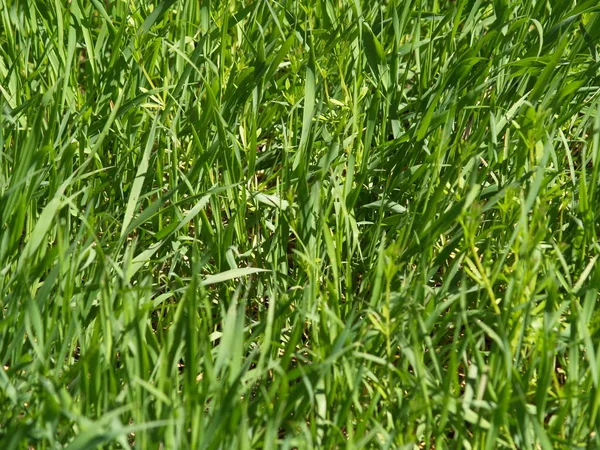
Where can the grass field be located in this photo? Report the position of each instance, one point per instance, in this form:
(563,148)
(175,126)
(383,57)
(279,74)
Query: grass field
(299,224)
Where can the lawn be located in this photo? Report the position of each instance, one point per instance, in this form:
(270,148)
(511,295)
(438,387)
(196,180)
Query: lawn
(299,224)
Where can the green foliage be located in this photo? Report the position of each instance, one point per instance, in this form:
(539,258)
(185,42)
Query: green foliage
(299,224)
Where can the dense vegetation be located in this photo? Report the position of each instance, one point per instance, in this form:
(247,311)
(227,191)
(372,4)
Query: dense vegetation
(299,224)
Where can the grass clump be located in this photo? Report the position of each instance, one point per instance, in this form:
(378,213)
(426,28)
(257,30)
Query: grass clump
(299,224)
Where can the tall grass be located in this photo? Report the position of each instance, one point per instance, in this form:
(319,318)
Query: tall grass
(299,224)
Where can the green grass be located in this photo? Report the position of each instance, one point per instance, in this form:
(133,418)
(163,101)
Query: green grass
(299,224)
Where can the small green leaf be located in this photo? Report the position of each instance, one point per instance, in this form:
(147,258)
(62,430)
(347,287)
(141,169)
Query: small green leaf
(231,275)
